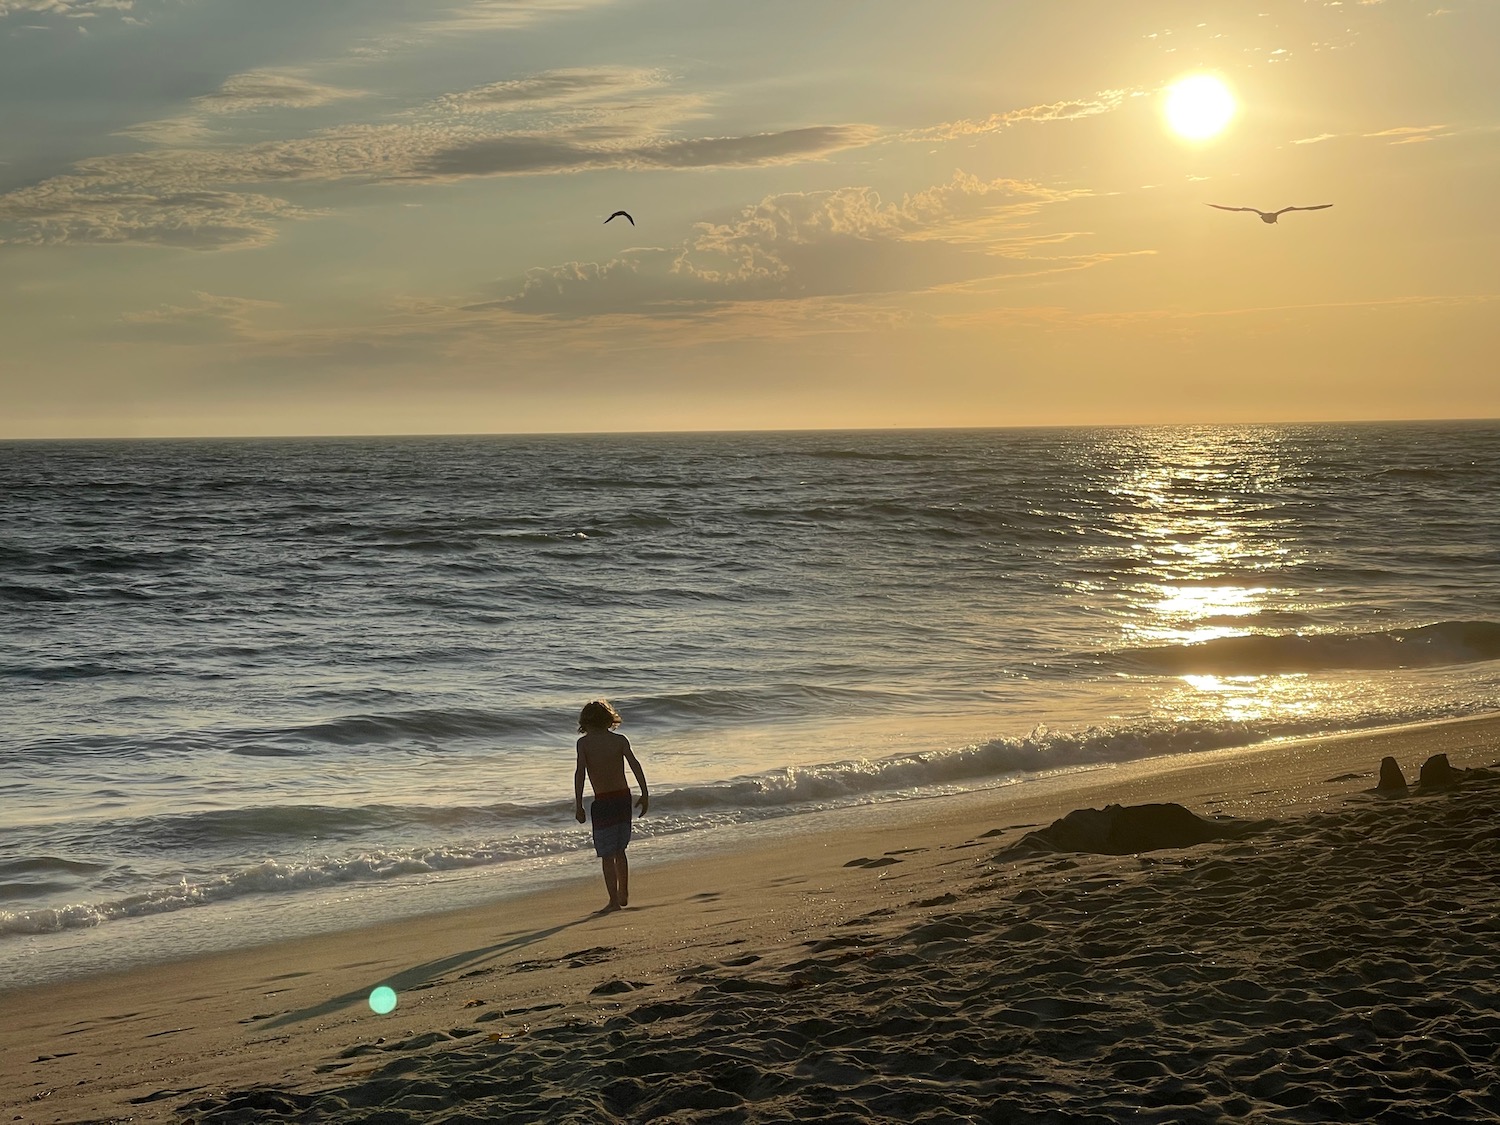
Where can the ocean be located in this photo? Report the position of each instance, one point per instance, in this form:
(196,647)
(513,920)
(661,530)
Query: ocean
(258,688)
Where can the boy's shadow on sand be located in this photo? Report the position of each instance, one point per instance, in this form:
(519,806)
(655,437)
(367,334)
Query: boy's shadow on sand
(424,975)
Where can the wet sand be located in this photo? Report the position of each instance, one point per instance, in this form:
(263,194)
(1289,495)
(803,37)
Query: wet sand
(1334,963)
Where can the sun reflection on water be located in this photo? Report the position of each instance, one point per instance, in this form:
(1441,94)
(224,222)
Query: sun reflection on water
(1188,614)
(1248,699)
(1210,555)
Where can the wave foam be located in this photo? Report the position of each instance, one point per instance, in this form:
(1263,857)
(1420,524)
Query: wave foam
(545,830)
(273,876)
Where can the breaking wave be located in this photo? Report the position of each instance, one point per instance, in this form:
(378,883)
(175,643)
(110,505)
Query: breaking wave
(470,836)
(1428,646)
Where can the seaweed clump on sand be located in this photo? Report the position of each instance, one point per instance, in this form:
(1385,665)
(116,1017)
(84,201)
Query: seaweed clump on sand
(1126,830)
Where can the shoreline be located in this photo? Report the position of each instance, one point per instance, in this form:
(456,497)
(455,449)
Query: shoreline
(292,889)
(152,938)
(492,978)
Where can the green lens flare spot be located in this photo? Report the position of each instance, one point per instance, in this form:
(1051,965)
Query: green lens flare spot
(383,1000)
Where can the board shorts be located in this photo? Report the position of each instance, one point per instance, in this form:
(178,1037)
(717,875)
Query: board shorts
(610,816)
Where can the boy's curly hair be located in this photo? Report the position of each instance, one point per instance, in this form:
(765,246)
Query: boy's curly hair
(598,715)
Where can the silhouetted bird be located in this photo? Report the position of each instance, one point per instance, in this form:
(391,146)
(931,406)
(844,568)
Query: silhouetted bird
(1270,216)
(617,214)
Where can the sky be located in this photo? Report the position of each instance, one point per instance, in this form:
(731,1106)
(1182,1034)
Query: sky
(296,217)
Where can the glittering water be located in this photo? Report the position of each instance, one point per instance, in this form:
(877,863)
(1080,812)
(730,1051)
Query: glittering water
(246,671)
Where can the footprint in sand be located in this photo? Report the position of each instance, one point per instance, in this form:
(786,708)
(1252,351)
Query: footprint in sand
(575,960)
(592,956)
(616,987)
(158,1095)
(941,900)
(993,832)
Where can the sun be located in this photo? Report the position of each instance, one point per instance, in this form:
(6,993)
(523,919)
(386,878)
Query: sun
(1198,107)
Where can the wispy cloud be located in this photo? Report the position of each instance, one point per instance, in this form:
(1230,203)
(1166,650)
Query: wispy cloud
(75,9)
(519,155)
(564,87)
(191,193)
(485,15)
(1105,101)
(844,243)
(184,130)
(263,89)
(607,107)
(1399,135)
(793,264)
(1406,134)
(105,210)
(809,266)
(250,92)
(211,317)
(436,20)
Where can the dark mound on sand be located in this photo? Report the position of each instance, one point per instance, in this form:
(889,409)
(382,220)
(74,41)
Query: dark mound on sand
(1125,830)
(1439,773)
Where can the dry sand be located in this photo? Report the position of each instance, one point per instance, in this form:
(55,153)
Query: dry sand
(1339,964)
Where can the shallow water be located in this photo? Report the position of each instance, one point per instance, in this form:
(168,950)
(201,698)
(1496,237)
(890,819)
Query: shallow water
(238,673)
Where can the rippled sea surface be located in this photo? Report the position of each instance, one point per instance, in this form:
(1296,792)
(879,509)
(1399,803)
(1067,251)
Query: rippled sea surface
(264,671)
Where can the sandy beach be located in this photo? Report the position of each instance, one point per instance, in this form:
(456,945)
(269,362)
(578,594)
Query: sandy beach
(1336,961)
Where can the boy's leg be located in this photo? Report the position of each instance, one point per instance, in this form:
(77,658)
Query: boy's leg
(622,878)
(610,883)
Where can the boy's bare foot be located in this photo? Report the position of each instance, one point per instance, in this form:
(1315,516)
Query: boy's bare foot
(608,908)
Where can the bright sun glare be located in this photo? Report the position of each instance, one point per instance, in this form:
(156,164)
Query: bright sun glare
(1198,107)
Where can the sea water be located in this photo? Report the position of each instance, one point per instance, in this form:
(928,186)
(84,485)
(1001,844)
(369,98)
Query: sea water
(257,688)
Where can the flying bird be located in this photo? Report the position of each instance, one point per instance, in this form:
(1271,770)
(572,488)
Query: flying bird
(1270,216)
(617,214)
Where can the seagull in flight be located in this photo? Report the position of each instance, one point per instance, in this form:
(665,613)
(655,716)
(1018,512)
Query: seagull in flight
(617,214)
(1270,216)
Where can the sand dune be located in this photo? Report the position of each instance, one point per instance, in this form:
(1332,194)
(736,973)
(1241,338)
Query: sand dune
(1336,963)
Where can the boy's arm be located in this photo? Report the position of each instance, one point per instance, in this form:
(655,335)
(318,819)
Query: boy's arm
(640,775)
(578,776)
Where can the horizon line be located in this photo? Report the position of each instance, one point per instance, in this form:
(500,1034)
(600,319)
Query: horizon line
(411,435)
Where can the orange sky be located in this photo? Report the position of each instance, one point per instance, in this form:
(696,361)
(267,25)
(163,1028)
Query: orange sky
(386,216)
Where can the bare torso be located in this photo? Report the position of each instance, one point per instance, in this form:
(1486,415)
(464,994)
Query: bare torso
(602,753)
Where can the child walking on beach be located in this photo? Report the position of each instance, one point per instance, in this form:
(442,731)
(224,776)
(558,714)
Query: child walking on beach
(602,754)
